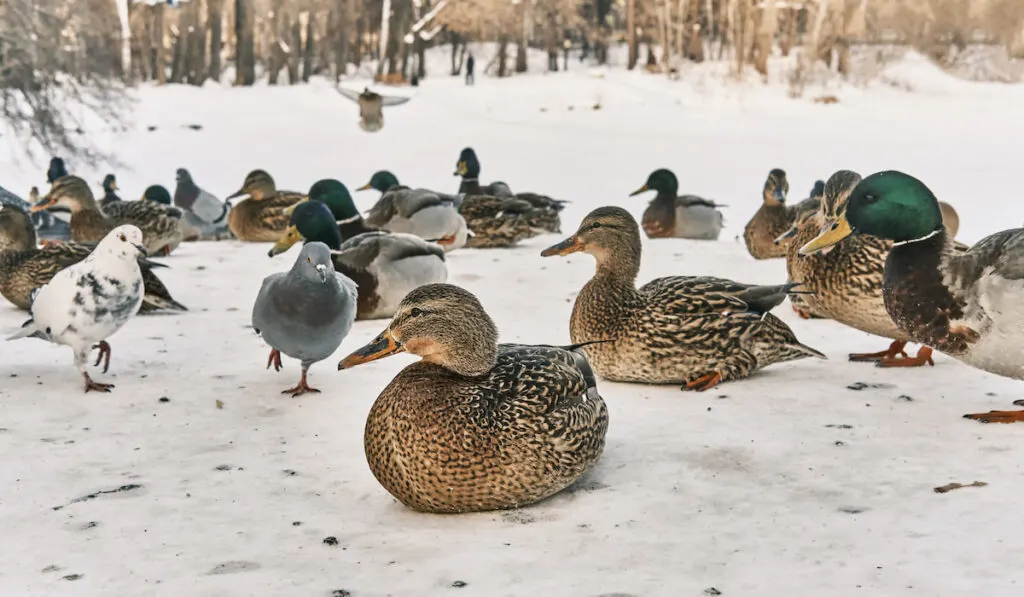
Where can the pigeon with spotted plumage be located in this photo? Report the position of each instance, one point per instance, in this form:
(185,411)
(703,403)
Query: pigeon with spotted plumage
(305,312)
(90,301)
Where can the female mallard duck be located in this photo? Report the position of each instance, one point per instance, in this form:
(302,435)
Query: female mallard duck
(24,268)
(844,283)
(160,224)
(763,231)
(671,216)
(47,225)
(427,214)
(385,266)
(543,215)
(110,190)
(476,425)
(965,303)
(261,217)
(697,331)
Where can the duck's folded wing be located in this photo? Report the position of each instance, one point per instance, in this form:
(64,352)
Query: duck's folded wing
(1000,254)
(544,379)
(691,297)
(693,200)
(409,201)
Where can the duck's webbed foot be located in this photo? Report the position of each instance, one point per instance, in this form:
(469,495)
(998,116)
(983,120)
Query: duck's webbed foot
(1000,416)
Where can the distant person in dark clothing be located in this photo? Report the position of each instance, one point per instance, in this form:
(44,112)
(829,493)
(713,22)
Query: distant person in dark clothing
(470,63)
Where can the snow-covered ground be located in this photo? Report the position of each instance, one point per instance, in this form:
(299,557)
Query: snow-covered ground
(787,483)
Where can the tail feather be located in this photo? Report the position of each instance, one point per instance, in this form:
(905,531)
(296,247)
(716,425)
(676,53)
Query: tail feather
(151,302)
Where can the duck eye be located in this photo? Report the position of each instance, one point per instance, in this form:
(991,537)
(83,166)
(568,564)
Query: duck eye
(870,198)
(415,312)
(595,225)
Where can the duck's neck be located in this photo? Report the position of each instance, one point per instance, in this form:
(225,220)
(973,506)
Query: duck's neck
(352,227)
(611,291)
(470,185)
(916,293)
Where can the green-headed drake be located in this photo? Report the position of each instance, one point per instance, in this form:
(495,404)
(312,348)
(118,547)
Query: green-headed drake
(427,214)
(334,194)
(160,224)
(544,215)
(260,217)
(669,215)
(964,303)
(774,218)
(385,266)
(694,331)
(25,268)
(475,425)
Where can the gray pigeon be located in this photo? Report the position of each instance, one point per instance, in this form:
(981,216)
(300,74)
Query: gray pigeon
(89,301)
(206,216)
(305,312)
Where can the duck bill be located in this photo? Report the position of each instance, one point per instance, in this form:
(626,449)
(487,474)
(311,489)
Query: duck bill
(567,246)
(45,203)
(288,210)
(785,235)
(780,196)
(289,238)
(642,189)
(236,194)
(365,187)
(830,235)
(382,346)
(461,168)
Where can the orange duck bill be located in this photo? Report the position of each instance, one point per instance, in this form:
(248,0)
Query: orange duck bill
(44,203)
(567,246)
(382,346)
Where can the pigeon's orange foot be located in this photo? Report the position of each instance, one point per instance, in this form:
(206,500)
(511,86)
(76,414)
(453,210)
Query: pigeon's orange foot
(274,359)
(96,386)
(302,388)
(924,357)
(104,356)
(704,382)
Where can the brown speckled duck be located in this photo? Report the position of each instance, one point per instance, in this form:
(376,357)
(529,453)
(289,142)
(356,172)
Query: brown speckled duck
(695,331)
(774,218)
(261,217)
(476,425)
(160,224)
(24,268)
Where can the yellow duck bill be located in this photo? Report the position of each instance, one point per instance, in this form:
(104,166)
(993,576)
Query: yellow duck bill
(289,238)
(382,346)
(831,235)
(567,246)
(642,189)
(365,187)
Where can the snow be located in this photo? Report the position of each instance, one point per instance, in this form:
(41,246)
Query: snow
(786,483)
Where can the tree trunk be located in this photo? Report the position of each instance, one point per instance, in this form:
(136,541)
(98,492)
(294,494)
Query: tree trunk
(245,45)
(765,35)
(503,55)
(521,62)
(214,17)
(456,66)
(385,24)
(308,48)
(551,35)
(161,48)
(292,33)
(341,40)
(631,33)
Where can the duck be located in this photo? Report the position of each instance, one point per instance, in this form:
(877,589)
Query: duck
(159,223)
(544,213)
(25,268)
(46,225)
(206,216)
(56,169)
(110,190)
(961,301)
(384,265)
(427,214)
(762,233)
(669,215)
(261,217)
(689,330)
(371,106)
(475,425)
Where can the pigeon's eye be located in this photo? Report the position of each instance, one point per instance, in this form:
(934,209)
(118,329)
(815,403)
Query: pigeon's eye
(123,238)
(415,312)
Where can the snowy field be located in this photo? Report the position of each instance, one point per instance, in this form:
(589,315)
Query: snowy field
(789,483)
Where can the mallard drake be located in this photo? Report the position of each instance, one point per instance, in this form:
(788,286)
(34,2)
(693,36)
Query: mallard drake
(371,106)
(544,215)
(697,331)
(964,303)
(24,268)
(261,217)
(206,216)
(427,214)
(669,215)
(110,190)
(476,425)
(772,220)
(334,194)
(385,266)
(159,223)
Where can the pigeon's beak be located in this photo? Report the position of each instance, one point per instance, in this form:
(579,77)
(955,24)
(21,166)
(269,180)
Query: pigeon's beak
(642,189)
(289,238)
(364,187)
(567,246)
(382,346)
(142,250)
(830,235)
(461,168)
(322,270)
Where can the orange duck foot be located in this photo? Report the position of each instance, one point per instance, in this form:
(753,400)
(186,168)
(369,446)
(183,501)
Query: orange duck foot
(704,382)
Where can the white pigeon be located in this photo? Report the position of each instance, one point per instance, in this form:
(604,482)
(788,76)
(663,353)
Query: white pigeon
(90,301)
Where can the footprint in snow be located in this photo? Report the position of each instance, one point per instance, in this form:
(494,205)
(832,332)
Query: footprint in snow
(233,567)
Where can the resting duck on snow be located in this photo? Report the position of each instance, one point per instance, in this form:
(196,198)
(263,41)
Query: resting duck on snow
(427,214)
(772,220)
(260,217)
(669,215)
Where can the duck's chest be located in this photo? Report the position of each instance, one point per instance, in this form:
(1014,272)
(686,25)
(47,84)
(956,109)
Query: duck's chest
(659,220)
